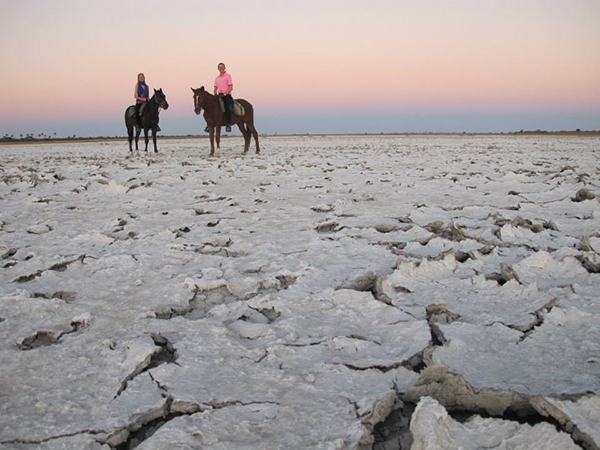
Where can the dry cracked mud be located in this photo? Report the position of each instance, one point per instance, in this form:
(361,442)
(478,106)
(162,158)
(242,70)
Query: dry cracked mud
(385,292)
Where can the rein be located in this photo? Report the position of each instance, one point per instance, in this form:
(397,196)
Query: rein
(153,109)
(209,100)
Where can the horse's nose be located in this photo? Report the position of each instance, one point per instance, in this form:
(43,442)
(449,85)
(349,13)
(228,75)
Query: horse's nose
(166,106)
(197,111)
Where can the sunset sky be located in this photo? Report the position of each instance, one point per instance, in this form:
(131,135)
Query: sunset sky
(69,66)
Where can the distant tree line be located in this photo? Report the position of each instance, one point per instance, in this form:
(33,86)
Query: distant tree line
(48,137)
(28,137)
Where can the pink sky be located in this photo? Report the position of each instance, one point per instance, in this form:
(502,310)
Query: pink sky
(76,58)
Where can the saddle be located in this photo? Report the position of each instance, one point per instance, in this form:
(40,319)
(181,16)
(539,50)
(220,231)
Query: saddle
(237,109)
(131,110)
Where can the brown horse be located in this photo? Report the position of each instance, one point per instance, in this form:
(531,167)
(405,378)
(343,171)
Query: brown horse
(215,118)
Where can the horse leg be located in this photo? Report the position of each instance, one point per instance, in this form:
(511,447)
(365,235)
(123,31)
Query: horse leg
(246,135)
(130,138)
(211,131)
(137,138)
(252,129)
(219,137)
(154,139)
(146,138)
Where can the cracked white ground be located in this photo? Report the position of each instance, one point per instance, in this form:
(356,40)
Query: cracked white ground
(331,293)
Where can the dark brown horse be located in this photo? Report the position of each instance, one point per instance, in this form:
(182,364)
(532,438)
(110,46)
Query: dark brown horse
(148,119)
(215,118)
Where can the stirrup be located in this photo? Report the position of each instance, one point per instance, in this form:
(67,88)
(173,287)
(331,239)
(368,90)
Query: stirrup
(206,130)
(228,128)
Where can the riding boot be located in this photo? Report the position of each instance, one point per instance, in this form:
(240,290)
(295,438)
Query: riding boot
(228,124)
(228,101)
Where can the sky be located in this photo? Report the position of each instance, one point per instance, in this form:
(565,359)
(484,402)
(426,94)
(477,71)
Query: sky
(313,66)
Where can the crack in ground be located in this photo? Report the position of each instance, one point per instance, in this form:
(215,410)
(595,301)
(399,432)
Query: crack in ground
(451,232)
(271,314)
(199,304)
(204,299)
(132,435)
(540,316)
(506,274)
(46,338)
(588,264)
(564,421)
(462,403)
(66,296)
(423,359)
(376,367)
(160,386)
(394,433)
(304,345)
(51,438)
(416,363)
(165,354)
(215,404)
(59,267)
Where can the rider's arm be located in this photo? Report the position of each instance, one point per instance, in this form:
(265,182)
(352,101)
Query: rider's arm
(229,89)
(135,91)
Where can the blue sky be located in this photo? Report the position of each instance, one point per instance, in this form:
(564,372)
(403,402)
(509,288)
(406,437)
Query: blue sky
(299,123)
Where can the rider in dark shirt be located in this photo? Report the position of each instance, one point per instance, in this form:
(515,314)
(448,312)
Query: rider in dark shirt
(141,94)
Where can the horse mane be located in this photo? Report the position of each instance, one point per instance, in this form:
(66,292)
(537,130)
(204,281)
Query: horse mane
(209,95)
(154,102)
(153,98)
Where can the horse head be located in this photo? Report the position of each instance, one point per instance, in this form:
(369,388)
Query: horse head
(161,99)
(198,99)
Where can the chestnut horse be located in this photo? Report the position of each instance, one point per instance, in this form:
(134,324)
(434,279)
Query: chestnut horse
(215,118)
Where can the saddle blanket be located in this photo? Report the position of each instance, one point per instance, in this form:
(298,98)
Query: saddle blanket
(237,109)
(131,110)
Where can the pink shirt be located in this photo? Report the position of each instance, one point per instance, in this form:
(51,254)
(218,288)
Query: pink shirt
(222,83)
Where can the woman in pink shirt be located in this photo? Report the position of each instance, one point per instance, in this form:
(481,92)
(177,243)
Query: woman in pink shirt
(223,88)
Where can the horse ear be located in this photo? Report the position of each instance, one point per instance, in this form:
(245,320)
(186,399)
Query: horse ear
(193,90)
(155,91)
(202,89)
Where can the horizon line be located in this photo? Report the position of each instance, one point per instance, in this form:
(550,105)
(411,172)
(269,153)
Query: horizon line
(7,139)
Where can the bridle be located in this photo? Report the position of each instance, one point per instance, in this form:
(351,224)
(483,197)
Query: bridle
(197,106)
(162,103)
